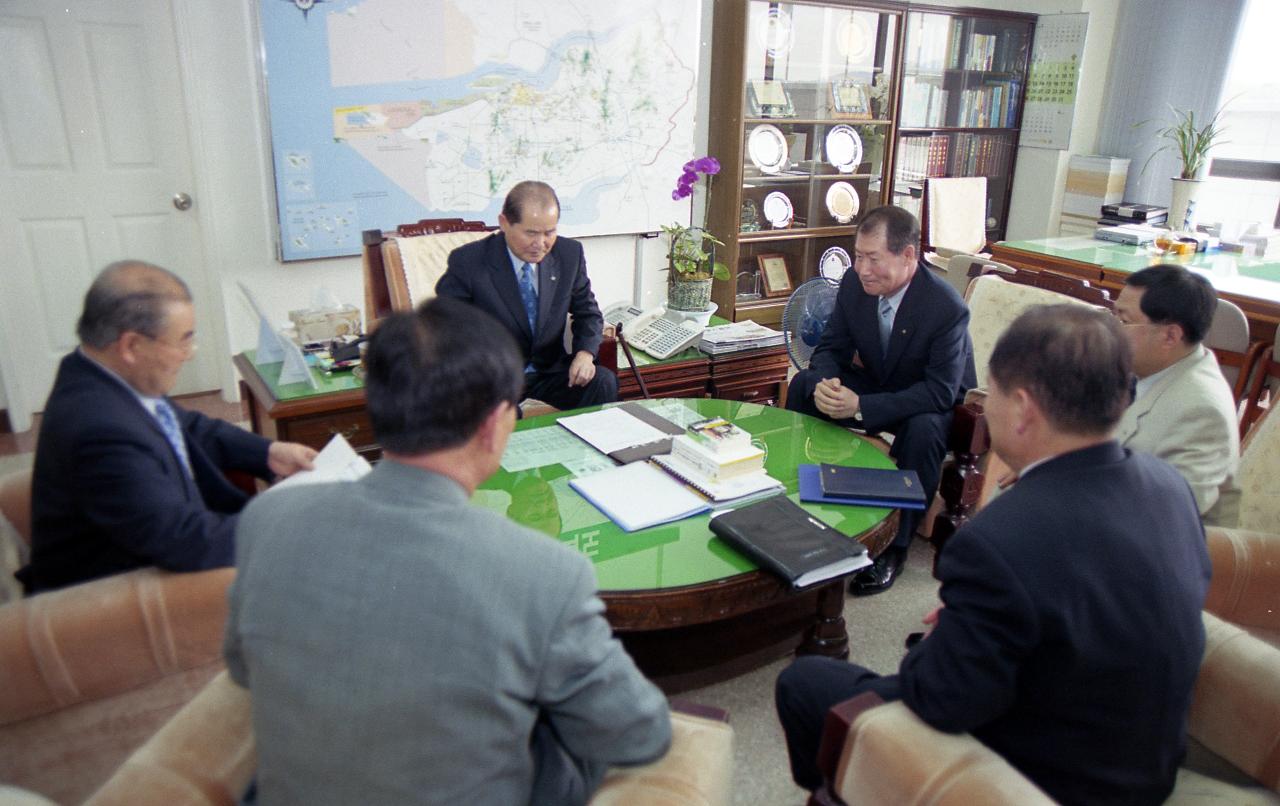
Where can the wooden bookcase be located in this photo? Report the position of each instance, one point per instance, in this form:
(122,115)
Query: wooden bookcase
(800,88)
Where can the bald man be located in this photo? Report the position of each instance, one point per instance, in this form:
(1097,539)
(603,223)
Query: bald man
(124,478)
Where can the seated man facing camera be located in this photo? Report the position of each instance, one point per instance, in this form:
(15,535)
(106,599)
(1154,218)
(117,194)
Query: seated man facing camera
(123,477)
(895,357)
(1070,633)
(404,646)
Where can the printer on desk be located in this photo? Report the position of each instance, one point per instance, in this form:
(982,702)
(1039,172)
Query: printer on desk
(1131,234)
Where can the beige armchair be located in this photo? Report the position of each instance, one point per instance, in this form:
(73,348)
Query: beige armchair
(876,753)
(205,757)
(88,673)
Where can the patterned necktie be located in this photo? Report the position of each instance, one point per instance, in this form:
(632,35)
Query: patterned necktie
(169,425)
(529,295)
(886,325)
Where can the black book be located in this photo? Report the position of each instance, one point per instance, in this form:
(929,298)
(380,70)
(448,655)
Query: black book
(890,487)
(1130,211)
(782,537)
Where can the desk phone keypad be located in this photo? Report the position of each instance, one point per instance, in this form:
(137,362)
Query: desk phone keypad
(670,337)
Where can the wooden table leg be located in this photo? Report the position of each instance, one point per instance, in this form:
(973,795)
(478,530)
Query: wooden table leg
(829,635)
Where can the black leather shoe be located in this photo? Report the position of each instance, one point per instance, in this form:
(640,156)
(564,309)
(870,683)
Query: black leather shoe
(879,576)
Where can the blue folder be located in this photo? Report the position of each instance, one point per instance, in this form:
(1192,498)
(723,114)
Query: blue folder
(811,493)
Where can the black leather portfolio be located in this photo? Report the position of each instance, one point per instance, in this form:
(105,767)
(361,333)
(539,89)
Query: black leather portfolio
(781,536)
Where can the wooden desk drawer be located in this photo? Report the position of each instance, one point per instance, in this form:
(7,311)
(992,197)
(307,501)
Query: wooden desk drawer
(765,392)
(316,431)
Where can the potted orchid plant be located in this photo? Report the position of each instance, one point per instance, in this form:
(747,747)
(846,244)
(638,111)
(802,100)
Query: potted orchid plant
(691,259)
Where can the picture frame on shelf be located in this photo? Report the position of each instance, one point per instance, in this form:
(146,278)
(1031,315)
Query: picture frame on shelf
(775,278)
(767,98)
(850,100)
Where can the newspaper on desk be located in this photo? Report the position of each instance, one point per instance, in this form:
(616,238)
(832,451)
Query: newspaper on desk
(745,335)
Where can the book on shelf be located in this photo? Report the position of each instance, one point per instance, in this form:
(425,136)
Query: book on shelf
(784,538)
(719,491)
(897,487)
(810,487)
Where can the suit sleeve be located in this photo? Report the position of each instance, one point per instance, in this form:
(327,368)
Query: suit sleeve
(964,674)
(836,347)
(936,391)
(588,322)
(601,706)
(452,282)
(116,471)
(230,447)
(1200,442)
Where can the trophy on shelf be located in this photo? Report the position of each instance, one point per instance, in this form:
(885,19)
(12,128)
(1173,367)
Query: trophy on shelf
(749,219)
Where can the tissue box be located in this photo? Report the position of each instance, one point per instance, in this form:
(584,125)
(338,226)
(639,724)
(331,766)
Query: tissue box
(322,325)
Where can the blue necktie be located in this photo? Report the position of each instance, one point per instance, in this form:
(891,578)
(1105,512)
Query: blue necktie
(529,295)
(886,325)
(169,425)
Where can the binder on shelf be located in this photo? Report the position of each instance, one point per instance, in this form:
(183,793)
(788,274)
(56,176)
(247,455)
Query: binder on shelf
(811,493)
(790,542)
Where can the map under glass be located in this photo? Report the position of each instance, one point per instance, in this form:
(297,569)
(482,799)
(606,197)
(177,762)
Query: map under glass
(387,111)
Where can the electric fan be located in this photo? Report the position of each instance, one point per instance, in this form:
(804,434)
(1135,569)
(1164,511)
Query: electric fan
(805,317)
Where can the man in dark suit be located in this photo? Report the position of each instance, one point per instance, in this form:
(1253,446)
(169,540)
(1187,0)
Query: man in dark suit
(124,478)
(1070,635)
(895,357)
(530,280)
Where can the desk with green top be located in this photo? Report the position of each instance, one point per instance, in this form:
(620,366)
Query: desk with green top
(1253,283)
(298,413)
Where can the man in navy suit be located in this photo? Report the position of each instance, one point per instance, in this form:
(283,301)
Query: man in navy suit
(1070,634)
(530,280)
(895,357)
(124,478)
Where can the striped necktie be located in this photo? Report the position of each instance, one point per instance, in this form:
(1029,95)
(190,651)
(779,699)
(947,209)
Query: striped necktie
(172,432)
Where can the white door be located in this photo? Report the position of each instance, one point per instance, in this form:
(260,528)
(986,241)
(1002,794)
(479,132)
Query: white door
(93,150)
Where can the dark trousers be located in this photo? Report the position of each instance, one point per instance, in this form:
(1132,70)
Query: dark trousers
(805,691)
(919,441)
(552,386)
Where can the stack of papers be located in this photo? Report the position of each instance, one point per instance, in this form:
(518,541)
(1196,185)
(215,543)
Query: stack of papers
(746,335)
(337,462)
(639,495)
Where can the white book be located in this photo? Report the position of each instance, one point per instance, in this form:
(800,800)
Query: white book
(737,489)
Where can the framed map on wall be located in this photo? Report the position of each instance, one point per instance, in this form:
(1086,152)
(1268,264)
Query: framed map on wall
(383,112)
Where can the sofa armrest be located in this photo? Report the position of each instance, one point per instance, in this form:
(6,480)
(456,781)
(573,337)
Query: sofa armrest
(108,636)
(1235,710)
(889,755)
(1245,588)
(696,770)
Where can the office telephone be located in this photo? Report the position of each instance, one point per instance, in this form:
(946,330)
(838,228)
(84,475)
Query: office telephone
(651,331)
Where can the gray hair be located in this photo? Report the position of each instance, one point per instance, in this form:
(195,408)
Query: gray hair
(128,295)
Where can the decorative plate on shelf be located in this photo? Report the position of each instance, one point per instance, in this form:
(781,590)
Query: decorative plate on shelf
(844,148)
(767,148)
(854,37)
(774,32)
(778,210)
(834,263)
(842,202)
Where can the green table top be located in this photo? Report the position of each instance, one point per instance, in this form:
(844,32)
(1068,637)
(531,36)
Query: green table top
(1224,269)
(533,489)
(328,382)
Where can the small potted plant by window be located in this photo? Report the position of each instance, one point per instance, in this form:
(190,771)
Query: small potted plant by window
(1191,140)
(691,262)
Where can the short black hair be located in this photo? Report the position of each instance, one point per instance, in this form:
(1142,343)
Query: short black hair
(1074,360)
(519,197)
(901,229)
(1171,295)
(432,376)
(128,296)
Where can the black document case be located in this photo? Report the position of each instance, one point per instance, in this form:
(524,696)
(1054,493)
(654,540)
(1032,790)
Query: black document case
(781,536)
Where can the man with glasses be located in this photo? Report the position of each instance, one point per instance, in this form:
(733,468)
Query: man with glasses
(1183,411)
(124,478)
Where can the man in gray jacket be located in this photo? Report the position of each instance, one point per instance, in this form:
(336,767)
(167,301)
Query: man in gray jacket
(403,646)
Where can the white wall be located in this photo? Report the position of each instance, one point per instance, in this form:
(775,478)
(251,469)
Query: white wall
(234,174)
